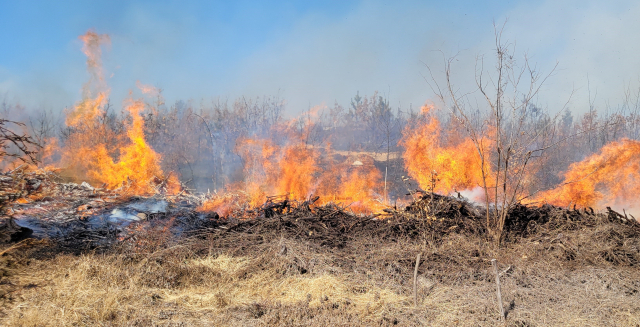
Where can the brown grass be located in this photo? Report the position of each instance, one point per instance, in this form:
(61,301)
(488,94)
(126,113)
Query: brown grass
(577,276)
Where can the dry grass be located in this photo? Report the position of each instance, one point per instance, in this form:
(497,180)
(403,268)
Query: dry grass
(117,289)
(574,276)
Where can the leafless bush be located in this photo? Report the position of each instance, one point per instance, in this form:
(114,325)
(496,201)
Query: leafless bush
(16,144)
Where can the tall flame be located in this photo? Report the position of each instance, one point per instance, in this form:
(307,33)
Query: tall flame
(296,171)
(92,145)
(443,162)
(275,170)
(356,182)
(95,91)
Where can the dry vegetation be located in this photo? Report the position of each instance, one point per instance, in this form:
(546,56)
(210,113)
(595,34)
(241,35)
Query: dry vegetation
(324,266)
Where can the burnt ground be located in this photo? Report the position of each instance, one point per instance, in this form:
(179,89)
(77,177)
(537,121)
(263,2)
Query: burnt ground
(297,264)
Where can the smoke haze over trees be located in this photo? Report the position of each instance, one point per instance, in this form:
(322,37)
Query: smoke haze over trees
(311,54)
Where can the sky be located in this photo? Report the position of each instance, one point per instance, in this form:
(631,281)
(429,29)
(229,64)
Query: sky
(311,53)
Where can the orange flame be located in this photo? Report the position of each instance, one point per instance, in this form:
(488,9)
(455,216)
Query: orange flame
(274,170)
(608,178)
(270,170)
(173,184)
(430,163)
(92,146)
(296,171)
(91,105)
(225,203)
(137,163)
(356,182)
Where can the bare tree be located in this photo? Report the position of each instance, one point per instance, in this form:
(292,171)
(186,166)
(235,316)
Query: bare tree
(386,124)
(504,141)
(23,144)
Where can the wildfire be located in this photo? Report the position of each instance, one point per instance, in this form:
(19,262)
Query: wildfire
(356,182)
(173,184)
(296,171)
(87,151)
(223,204)
(434,165)
(286,166)
(608,178)
(277,170)
(137,163)
(48,153)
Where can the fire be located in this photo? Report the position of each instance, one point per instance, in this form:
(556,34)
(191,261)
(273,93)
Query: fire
(277,170)
(608,178)
(270,169)
(296,171)
(94,92)
(360,185)
(173,184)
(445,168)
(49,151)
(117,155)
(92,145)
(225,203)
(355,182)
(137,163)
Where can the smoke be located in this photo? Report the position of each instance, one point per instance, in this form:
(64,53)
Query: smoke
(593,43)
(475,195)
(310,55)
(628,208)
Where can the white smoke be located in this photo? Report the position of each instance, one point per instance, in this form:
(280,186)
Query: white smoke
(475,195)
(630,209)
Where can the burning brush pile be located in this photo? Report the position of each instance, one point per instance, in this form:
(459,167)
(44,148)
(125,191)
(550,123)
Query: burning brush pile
(79,217)
(292,186)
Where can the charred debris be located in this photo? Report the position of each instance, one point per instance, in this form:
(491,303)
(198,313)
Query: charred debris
(79,217)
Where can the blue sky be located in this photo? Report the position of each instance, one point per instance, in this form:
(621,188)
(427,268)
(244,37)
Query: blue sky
(311,52)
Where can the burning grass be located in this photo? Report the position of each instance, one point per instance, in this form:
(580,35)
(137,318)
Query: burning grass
(608,178)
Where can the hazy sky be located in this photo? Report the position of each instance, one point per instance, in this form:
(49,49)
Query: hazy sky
(312,52)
